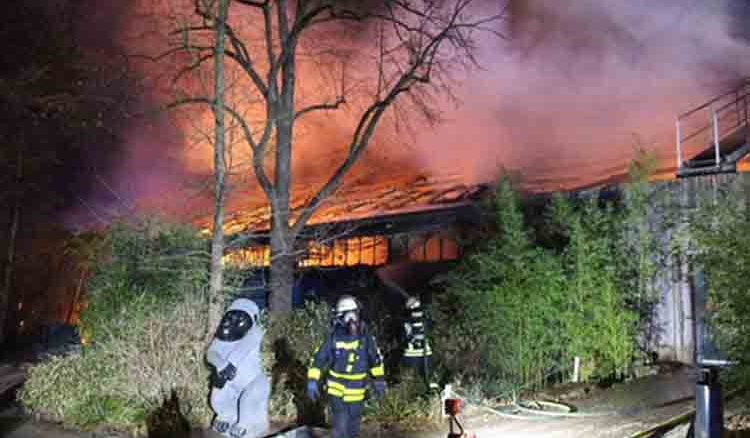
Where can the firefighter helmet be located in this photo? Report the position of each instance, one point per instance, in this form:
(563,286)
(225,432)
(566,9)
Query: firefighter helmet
(412,303)
(347,309)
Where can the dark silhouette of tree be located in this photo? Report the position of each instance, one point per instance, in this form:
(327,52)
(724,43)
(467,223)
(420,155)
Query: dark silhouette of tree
(60,109)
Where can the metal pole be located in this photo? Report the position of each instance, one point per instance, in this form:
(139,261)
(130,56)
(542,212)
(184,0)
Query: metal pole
(715,123)
(679,144)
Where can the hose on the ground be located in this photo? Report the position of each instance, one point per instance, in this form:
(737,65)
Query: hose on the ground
(518,411)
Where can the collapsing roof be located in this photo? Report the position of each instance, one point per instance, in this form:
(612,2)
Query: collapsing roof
(358,225)
(363,206)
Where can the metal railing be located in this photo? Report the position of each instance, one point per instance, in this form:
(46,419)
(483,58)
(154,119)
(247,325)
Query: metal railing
(711,122)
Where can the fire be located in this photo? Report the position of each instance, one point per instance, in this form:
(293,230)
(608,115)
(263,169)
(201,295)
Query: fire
(436,248)
(369,250)
(353,251)
(360,199)
(75,315)
(360,202)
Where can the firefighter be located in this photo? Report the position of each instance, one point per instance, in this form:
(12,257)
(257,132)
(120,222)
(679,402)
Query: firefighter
(418,352)
(351,359)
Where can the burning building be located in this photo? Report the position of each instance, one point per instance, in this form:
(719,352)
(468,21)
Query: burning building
(417,220)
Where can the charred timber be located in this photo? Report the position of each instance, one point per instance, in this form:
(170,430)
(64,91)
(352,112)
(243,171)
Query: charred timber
(414,222)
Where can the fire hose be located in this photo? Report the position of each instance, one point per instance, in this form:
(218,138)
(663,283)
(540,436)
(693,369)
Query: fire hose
(533,411)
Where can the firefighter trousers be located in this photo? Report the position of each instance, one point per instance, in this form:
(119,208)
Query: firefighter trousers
(421,364)
(345,417)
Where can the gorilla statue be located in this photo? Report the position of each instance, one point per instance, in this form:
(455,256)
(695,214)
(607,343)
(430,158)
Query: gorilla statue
(239,388)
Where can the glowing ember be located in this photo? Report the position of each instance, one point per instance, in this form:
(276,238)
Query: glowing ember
(360,200)
(354,251)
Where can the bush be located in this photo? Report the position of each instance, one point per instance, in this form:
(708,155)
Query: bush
(596,323)
(145,317)
(505,299)
(406,404)
(118,383)
(144,265)
(720,233)
(523,307)
(288,347)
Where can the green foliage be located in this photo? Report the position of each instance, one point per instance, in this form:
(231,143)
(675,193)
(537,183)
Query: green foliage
(405,404)
(596,324)
(504,300)
(146,319)
(145,265)
(288,346)
(124,378)
(524,310)
(639,253)
(720,232)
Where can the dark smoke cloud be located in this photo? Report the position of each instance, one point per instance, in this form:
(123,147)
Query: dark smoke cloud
(145,146)
(580,81)
(563,100)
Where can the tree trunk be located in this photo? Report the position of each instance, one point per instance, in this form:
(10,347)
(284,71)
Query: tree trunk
(15,223)
(216,281)
(283,266)
(283,258)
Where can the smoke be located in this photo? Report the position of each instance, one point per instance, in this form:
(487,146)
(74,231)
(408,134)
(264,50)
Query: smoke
(563,100)
(578,83)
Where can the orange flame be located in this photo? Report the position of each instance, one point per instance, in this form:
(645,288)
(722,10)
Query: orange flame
(353,251)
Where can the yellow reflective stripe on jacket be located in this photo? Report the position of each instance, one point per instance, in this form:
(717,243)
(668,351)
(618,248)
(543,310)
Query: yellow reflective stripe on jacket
(313,373)
(352,345)
(349,394)
(334,391)
(358,376)
(377,371)
(341,387)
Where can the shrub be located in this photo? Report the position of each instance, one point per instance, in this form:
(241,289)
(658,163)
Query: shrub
(145,317)
(524,308)
(128,376)
(146,320)
(143,265)
(720,233)
(288,347)
(406,404)
(504,300)
(596,323)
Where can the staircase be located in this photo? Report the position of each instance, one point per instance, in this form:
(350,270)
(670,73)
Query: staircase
(716,134)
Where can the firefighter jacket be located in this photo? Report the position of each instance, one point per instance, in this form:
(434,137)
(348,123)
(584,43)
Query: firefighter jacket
(415,330)
(350,362)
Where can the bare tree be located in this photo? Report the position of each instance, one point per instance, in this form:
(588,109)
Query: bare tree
(217,235)
(406,52)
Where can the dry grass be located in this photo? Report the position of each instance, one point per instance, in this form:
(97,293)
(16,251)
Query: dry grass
(120,382)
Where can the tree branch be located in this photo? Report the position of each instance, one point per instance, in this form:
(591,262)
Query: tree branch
(258,148)
(321,107)
(256,4)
